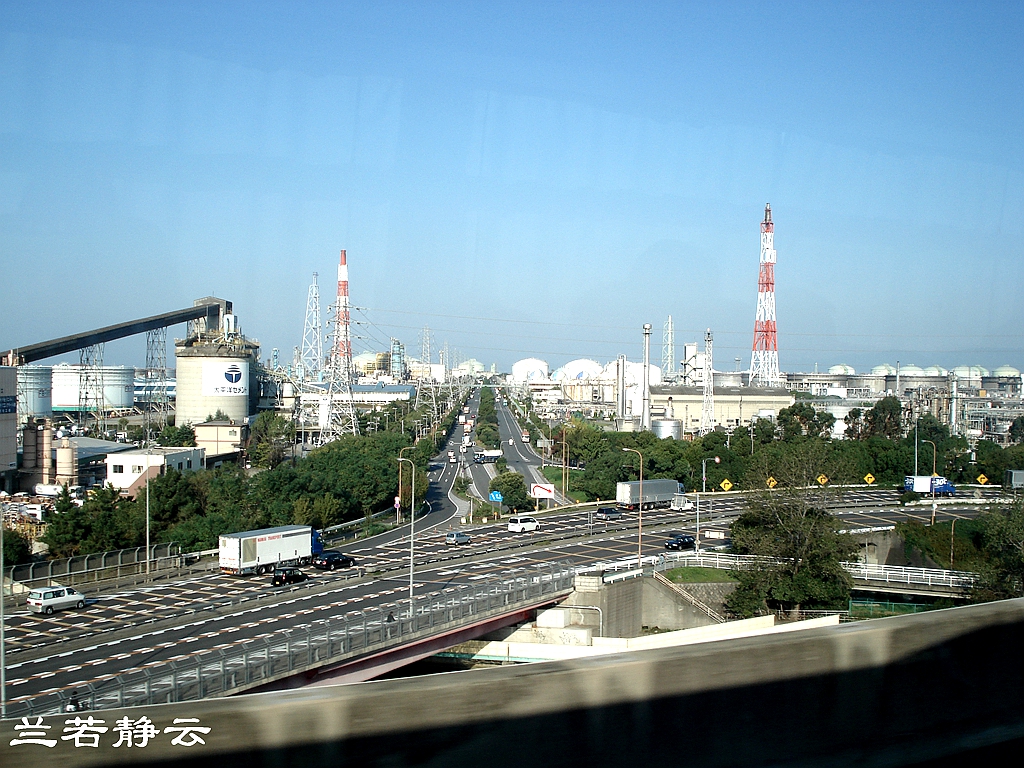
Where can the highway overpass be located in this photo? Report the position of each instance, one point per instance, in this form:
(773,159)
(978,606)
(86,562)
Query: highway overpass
(934,689)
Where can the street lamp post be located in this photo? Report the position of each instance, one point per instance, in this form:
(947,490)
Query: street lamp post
(704,489)
(398,521)
(412,530)
(932,444)
(3,638)
(149,458)
(640,510)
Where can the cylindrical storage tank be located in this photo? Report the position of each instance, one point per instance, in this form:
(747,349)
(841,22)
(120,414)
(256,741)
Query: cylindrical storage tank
(67,463)
(35,391)
(118,386)
(213,378)
(288,391)
(44,458)
(66,382)
(663,428)
(29,442)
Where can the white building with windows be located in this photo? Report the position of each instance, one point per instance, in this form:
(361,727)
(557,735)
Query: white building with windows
(127,471)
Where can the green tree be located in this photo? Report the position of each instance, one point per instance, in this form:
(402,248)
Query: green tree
(801,419)
(1002,533)
(807,550)
(16,548)
(271,437)
(885,419)
(855,425)
(177,437)
(512,487)
(1017,429)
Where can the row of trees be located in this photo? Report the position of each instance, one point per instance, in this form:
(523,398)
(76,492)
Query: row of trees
(487,420)
(794,451)
(347,479)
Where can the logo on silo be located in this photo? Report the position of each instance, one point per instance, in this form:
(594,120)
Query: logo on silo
(233,374)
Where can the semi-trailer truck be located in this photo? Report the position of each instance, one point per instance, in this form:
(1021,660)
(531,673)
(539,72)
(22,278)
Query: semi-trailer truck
(264,550)
(657,493)
(927,484)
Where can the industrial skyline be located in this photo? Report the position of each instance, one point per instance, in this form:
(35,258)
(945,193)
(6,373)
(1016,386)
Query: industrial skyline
(496,178)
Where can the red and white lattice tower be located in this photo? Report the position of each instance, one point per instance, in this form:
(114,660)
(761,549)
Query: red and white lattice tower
(337,414)
(764,364)
(341,352)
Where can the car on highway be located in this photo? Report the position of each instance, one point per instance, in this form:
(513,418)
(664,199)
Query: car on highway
(54,598)
(456,537)
(681,541)
(332,559)
(522,524)
(287,575)
(607,513)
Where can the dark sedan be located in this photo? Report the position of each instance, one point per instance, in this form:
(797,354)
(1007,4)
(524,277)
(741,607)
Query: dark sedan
(287,575)
(681,542)
(332,560)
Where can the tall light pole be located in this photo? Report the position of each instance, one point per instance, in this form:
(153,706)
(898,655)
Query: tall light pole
(402,451)
(3,638)
(933,477)
(412,529)
(704,489)
(640,509)
(149,456)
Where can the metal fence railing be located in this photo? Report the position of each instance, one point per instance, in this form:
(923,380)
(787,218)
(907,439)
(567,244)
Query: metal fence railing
(894,574)
(101,565)
(330,640)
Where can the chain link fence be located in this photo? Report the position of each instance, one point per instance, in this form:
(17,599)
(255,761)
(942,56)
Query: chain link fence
(308,646)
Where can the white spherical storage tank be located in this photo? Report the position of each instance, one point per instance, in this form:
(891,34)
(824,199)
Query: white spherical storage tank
(530,369)
(211,378)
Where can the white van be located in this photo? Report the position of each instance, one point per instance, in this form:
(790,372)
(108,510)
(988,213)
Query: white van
(522,524)
(49,599)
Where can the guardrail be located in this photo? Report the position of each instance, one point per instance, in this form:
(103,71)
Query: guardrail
(325,641)
(894,574)
(115,562)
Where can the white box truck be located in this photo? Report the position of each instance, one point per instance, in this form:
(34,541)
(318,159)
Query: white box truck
(263,550)
(657,493)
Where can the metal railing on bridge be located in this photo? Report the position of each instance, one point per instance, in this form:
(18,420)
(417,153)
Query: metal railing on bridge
(241,667)
(892,574)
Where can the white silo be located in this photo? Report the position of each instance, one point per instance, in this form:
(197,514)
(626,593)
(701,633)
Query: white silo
(215,376)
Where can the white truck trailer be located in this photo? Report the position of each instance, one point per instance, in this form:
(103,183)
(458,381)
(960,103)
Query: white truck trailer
(657,493)
(263,550)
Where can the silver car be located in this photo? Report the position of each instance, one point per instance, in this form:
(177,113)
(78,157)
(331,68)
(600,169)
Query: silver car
(456,537)
(54,598)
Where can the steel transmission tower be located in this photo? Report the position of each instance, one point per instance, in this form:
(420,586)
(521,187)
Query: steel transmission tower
(668,350)
(156,380)
(312,356)
(91,393)
(707,412)
(340,417)
(764,363)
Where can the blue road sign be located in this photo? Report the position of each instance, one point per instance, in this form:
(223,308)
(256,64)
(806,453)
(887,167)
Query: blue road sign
(496,496)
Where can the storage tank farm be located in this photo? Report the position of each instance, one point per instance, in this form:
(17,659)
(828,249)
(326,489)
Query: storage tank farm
(118,387)
(216,371)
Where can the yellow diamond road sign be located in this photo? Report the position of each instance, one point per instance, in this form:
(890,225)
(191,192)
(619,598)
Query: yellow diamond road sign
(869,478)
(982,479)
(772,482)
(725,484)
(822,479)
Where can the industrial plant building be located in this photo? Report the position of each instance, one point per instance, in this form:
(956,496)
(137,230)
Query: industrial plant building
(128,471)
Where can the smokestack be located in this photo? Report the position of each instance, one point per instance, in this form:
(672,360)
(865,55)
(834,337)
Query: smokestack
(646,416)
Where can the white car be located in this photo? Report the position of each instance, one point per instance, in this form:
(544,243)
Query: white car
(522,524)
(49,599)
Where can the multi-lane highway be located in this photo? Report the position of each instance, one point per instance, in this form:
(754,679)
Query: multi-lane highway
(128,630)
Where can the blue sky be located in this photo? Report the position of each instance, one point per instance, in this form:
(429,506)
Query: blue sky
(533,179)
